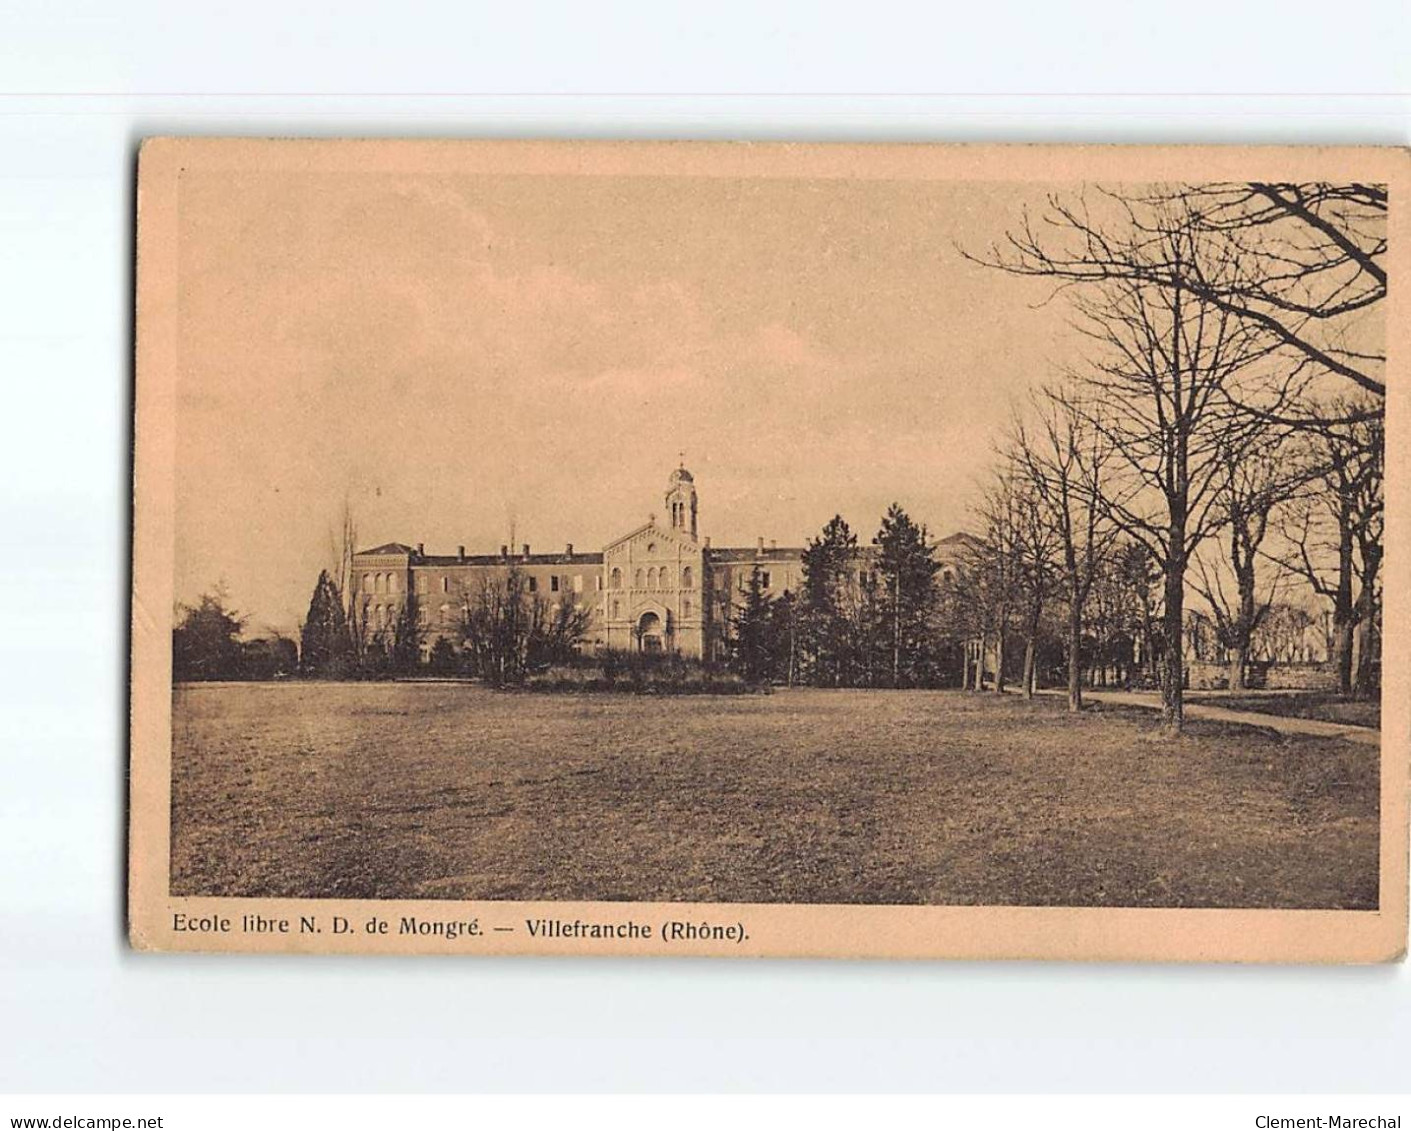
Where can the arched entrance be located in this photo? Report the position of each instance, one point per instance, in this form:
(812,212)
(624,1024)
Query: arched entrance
(649,633)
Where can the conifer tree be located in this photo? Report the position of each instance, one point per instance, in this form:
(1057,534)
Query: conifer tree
(206,639)
(324,645)
(753,651)
(404,647)
(905,594)
(831,603)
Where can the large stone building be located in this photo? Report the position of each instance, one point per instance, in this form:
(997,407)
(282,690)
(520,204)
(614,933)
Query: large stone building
(658,588)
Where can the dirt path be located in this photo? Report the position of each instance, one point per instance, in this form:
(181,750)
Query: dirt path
(1198,709)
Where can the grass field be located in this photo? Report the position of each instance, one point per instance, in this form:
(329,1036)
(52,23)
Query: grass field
(453,791)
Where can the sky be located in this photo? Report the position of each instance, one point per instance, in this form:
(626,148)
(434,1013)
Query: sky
(477,360)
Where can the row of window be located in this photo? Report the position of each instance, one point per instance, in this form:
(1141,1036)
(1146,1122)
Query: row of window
(653,577)
(385,616)
(557,583)
(379,583)
(650,578)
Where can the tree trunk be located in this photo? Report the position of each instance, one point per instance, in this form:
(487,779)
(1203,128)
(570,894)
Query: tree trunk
(1173,632)
(1031,648)
(1343,630)
(1243,627)
(999,662)
(1362,678)
(1344,617)
(980,663)
(1239,661)
(1075,657)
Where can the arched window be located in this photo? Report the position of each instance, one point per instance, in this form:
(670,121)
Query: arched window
(616,609)
(381,616)
(641,578)
(616,578)
(686,578)
(445,614)
(367,583)
(653,578)
(391,583)
(377,583)
(686,606)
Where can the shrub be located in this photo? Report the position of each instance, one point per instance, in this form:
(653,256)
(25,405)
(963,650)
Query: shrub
(641,674)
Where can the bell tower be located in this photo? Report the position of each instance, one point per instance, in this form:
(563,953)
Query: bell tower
(681,502)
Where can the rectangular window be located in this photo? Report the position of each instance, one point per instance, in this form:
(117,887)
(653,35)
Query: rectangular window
(421,583)
(764,578)
(600,583)
(553,583)
(533,585)
(445,585)
(578,583)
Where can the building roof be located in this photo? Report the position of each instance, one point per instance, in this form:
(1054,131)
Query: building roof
(724,555)
(716,555)
(443,560)
(389,548)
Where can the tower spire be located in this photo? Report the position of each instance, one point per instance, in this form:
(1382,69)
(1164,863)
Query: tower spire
(681,500)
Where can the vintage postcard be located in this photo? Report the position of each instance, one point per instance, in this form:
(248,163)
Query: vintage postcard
(771,550)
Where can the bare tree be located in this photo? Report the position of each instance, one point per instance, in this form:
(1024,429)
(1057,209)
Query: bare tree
(1256,476)
(993,571)
(1311,262)
(1036,574)
(1301,265)
(343,546)
(1164,370)
(508,628)
(497,616)
(1334,539)
(1063,458)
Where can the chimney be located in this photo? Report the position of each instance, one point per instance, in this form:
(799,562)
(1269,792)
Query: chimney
(421,549)
(460,553)
(568,549)
(526,549)
(706,544)
(504,550)
(773,544)
(759,546)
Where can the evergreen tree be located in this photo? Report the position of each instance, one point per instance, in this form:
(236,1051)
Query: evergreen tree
(324,645)
(404,645)
(784,635)
(753,651)
(905,594)
(831,604)
(205,644)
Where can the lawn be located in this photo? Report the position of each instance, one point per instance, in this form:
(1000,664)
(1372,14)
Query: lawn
(386,790)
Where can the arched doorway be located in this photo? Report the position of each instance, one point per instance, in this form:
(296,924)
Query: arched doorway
(649,634)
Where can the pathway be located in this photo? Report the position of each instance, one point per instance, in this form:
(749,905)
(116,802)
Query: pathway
(1196,709)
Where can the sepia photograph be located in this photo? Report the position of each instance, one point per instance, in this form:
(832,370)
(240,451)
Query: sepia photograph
(769,549)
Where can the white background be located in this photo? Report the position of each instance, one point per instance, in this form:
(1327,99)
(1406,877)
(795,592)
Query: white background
(84,81)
